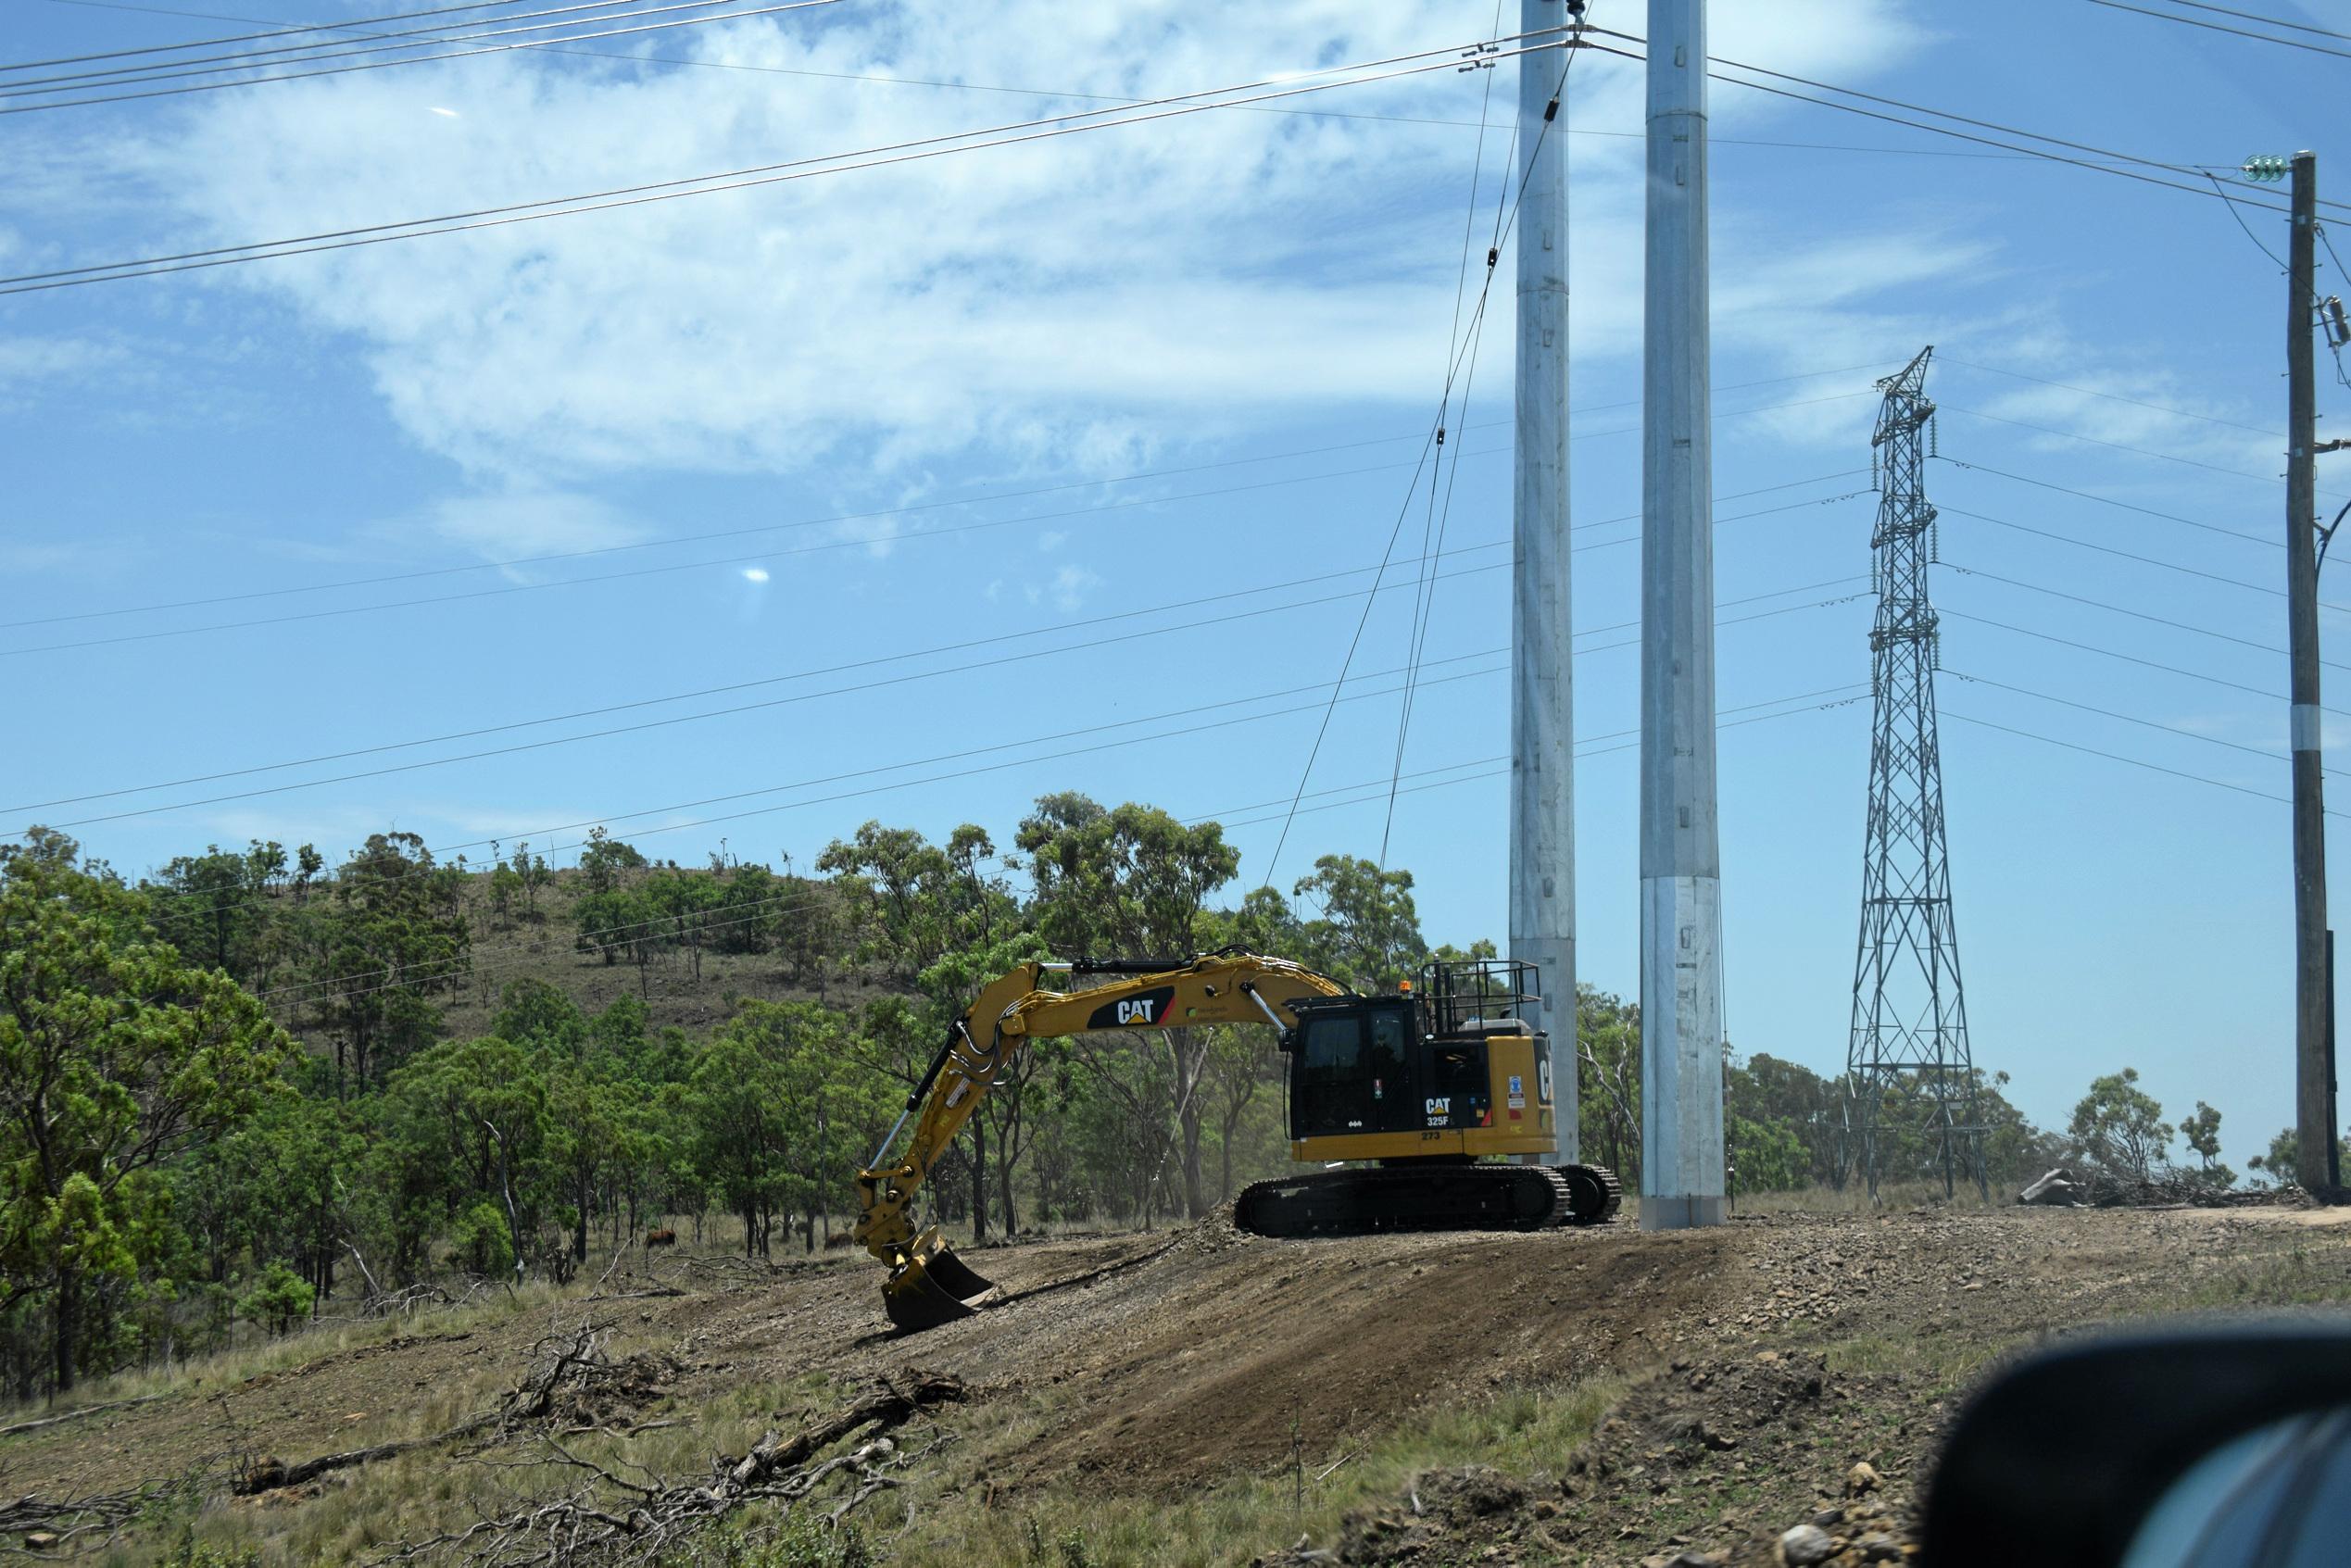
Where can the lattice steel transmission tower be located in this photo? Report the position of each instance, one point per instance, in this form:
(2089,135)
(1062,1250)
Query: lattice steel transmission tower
(1909,1038)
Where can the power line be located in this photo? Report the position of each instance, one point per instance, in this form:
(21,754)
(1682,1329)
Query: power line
(2125,658)
(160,70)
(415,60)
(505,590)
(1961,135)
(2116,446)
(2109,550)
(556,48)
(2111,397)
(2254,16)
(875,684)
(2125,717)
(2131,761)
(447,966)
(2110,501)
(869,685)
(2119,609)
(1425,601)
(915,150)
(668,541)
(352,26)
(1987,125)
(2221,27)
(1583,753)
(812,673)
(1221,705)
(1582,742)
(1444,403)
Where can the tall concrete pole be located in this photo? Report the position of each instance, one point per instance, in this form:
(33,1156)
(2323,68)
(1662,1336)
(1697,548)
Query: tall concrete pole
(1681,1044)
(2313,1085)
(1542,783)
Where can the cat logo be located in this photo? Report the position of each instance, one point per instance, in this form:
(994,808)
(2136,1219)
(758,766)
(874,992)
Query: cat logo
(1440,1111)
(1143,1011)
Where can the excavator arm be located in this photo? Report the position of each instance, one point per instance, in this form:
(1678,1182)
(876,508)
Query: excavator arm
(928,1285)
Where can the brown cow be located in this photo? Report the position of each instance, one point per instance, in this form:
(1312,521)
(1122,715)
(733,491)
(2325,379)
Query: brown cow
(660,1238)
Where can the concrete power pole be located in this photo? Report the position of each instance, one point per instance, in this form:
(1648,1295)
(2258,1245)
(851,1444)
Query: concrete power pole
(2313,1074)
(1542,784)
(1681,1044)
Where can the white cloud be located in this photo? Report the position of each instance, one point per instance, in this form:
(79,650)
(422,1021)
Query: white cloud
(1061,302)
(755,574)
(527,523)
(30,366)
(1071,584)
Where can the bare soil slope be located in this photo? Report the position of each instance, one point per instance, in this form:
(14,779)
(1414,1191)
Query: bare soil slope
(1764,1358)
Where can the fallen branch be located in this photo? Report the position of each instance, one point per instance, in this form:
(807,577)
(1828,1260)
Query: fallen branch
(76,1414)
(1089,1277)
(269,1475)
(615,1519)
(34,1526)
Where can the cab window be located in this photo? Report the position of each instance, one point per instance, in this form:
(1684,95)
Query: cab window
(1334,1091)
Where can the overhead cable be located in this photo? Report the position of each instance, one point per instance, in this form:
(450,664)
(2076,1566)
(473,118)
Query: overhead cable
(2121,609)
(440,970)
(2131,761)
(242,58)
(1444,403)
(2125,658)
(2180,730)
(2110,396)
(2106,168)
(734,686)
(2239,31)
(414,59)
(671,540)
(887,155)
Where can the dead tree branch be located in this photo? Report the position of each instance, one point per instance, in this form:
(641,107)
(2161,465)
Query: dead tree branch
(76,1415)
(613,1519)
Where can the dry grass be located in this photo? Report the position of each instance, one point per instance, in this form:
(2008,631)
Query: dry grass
(199,1375)
(1521,1431)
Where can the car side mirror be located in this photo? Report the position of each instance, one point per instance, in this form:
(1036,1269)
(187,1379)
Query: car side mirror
(2214,1447)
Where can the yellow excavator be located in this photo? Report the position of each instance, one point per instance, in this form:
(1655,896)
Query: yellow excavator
(1423,1082)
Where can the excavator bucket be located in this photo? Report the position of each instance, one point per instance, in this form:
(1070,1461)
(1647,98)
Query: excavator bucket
(932,1285)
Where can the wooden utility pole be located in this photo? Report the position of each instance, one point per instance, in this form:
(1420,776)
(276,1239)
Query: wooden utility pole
(2313,1075)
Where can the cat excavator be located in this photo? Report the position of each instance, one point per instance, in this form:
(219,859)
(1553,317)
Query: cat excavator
(1421,1084)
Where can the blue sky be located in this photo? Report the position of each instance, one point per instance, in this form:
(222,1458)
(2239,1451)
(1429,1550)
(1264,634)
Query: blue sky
(1252,310)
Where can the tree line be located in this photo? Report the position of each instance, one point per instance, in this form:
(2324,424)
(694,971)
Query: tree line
(231,1093)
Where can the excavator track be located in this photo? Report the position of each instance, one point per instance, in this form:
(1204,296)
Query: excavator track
(1367,1201)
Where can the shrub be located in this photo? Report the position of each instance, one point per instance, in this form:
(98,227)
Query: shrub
(279,1300)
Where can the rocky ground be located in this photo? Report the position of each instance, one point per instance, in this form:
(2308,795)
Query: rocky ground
(1774,1388)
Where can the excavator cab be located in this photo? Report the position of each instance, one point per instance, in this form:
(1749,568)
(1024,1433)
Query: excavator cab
(1412,1092)
(1448,1065)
